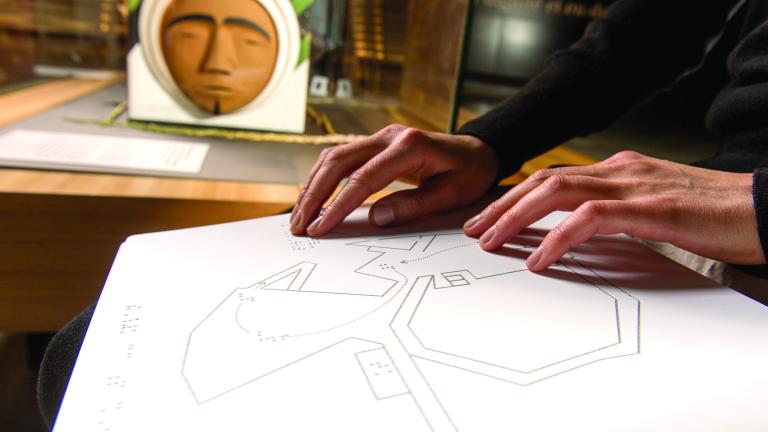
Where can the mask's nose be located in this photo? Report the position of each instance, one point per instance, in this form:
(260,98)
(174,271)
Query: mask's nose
(221,57)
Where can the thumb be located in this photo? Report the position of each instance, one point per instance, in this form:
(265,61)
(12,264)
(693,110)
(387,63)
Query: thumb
(404,206)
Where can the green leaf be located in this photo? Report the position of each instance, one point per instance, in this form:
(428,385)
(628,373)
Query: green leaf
(301,6)
(133,5)
(304,49)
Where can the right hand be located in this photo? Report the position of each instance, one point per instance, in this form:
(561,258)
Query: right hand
(451,171)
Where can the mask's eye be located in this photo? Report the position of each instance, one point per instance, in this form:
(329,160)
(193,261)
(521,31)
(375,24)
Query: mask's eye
(187,35)
(253,42)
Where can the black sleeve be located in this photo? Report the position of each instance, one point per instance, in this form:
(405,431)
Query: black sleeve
(760,200)
(636,48)
(760,197)
(58,362)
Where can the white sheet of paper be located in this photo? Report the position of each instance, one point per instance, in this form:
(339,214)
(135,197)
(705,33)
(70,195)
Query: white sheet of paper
(243,327)
(102,151)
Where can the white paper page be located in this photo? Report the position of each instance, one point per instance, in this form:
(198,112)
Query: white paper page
(243,327)
(102,151)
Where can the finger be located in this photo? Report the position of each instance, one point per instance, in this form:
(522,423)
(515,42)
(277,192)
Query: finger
(318,163)
(337,164)
(435,195)
(322,183)
(556,193)
(479,224)
(592,217)
(376,174)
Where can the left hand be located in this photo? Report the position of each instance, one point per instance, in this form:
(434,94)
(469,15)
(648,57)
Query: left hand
(710,213)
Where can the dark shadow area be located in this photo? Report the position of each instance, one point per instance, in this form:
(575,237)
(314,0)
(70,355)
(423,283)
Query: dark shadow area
(510,43)
(20,356)
(617,259)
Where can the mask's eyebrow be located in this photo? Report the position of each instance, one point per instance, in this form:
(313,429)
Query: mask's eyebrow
(249,24)
(190,17)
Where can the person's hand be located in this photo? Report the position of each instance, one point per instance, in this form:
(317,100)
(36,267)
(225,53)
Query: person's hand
(710,213)
(451,171)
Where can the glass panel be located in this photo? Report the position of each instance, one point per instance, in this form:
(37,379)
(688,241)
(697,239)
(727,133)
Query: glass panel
(373,62)
(45,36)
(433,60)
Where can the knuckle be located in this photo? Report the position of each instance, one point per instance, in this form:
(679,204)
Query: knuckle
(412,133)
(360,180)
(309,196)
(400,145)
(393,128)
(497,206)
(627,155)
(325,151)
(388,134)
(509,217)
(410,139)
(559,235)
(556,183)
(334,155)
(357,177)
(592,210)
(542,174)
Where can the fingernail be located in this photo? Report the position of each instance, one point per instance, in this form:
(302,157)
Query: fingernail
(471,223)
(296,220)
(383,215)
(488,235)
(315,225)
(534,258)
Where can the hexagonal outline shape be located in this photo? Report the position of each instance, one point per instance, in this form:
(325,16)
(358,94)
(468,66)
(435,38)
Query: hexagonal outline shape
(410,320)
(627,316)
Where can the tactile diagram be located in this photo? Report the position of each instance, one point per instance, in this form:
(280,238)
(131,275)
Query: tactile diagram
(492,317)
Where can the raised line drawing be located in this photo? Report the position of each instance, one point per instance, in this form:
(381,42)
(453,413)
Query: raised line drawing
(500,330)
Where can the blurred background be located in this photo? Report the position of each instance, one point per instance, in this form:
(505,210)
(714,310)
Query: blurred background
(368,42)
(440,62)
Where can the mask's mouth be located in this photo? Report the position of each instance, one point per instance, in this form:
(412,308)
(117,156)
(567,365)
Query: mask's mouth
(218,90)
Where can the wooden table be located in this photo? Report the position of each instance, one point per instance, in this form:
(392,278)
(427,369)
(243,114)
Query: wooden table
(59,231)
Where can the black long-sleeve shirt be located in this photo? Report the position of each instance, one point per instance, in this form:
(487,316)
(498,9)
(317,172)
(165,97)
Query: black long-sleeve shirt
(635,49)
